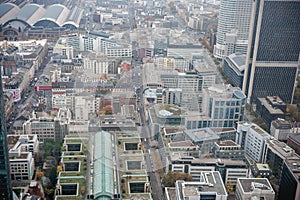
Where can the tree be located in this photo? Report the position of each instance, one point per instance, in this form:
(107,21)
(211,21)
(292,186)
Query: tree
(229,187)
(108,109)
(39,175)
(171,177)
(52,176)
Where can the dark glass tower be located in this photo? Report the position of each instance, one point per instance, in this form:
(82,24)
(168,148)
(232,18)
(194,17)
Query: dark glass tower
(273,49)
(5,186)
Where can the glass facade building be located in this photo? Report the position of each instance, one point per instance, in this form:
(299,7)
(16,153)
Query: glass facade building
(273,54)
(5,186)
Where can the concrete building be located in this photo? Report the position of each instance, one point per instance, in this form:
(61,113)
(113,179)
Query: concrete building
(294,142)
(233,27)
(229,169)
(258,188)
(62,48)
(5,184)
(270,108)
(260,170)
(272,54)
(71,179)
(53,128)
(225,105)
(209,186)
(228,149)
(205,138)
(252,138)
(133,167)
(285,164)
(280,129)
(23,150)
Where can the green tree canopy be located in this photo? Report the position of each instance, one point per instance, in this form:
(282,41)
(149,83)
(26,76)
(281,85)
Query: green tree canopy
(171,177)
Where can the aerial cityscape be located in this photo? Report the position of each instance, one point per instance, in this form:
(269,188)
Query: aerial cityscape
(150,99)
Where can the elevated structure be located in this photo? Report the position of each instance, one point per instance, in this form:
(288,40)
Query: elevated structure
(28,15)
(7,10)
(103,164)
(34,15)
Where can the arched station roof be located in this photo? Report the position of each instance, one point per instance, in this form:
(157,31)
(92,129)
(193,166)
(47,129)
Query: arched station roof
(55,14)
(29,14)
(74,17)
(7,10)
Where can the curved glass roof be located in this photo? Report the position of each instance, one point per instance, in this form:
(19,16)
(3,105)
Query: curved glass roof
(30,13)
(36,15)
(56,13)
(103,166)
(7,10)
(74,17)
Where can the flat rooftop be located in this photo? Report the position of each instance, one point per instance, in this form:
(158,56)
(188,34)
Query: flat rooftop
(186,143)
(262,167)
(199,135)
(210,182)
(251,184)
(227,143)
(269,107)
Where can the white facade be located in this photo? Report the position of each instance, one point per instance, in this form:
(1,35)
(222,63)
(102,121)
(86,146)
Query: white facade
(253,138)
(22,150)
(254,188)
(61,48)
(84,106)
(233,27)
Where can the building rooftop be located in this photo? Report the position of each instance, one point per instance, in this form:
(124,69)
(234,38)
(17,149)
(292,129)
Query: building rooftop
(103,163)
(238,61)
(295,137)
(281,148)
(262,167)
(281,124)
(271,108)
(227,143)
(201,135)
(6,11)
(250,185)
(210,182)
(186,143)
(30,13)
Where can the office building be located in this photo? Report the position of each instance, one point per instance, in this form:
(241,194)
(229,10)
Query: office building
(233,27)
(294,142)
(233,68)
(285,165)
(225,105)
(254,188)
(5,186)
(210,186)
(229,169)
(273,51)
(270,108)
(252,138)
(280,129)
(228,149)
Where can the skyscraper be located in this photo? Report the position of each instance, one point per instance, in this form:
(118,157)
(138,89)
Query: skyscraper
(233,27)
(273,50)
(5,186)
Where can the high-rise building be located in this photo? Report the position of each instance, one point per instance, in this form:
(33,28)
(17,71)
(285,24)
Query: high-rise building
(273,50)
(5,186)
(233,27)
